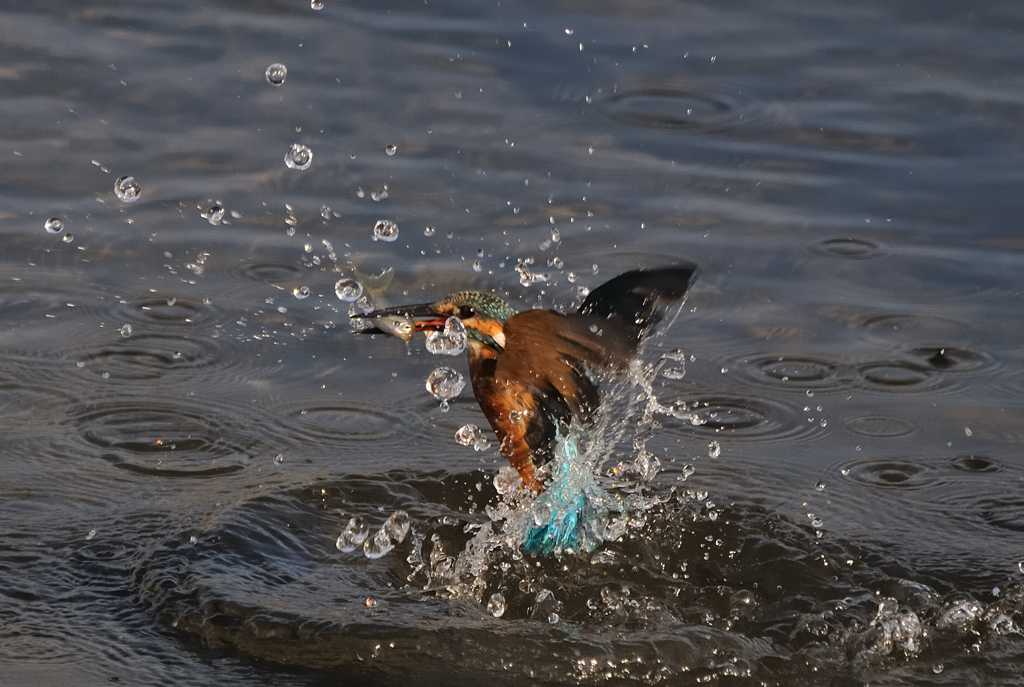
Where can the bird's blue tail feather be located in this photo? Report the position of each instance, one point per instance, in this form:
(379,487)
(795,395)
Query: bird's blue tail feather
(570,509)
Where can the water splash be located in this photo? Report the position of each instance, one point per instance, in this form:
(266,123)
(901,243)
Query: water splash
(450,341)
(444,383)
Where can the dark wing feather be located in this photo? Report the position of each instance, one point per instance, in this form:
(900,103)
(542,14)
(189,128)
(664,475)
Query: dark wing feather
(636,301)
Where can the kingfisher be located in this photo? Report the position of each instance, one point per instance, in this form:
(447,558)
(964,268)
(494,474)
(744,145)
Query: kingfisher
(532,372)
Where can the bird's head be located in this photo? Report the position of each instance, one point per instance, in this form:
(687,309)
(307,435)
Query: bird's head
(482,314)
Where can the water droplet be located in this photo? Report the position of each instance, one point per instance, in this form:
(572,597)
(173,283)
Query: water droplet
(316,4)
(298,156)
(301,292)
(378,545)
(817,523)
(451,341)
(1020,566)
(820,486)
(444,384)
(176,355)
(54,225)
(553,618)
(938,668)
(506,480)
(325,212)
(68,238)
(92,533)
(355,533)
(397,526)
(429,231)
(214,214)
(468,435)
(277,73)
(385,230)
(390,149)
(496,605)
(126,330)
(714,449)
(614,529)
(279,458)
(105,375)
(348,290)
(968,432)
(478,266)
(126,189)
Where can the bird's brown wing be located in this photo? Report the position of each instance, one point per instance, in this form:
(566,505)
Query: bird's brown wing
(550,353)
(540,381)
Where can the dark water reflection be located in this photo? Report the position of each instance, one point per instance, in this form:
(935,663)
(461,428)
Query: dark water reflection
(848,177)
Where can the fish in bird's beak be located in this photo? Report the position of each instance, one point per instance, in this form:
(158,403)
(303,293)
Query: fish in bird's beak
(402,321)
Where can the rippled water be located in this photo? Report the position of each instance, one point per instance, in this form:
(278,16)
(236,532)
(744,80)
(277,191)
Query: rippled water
(188,424)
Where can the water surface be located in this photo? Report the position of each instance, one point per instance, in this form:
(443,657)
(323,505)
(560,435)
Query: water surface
(184,438)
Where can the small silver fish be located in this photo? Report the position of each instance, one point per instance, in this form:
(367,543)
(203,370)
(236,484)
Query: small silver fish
(399,326)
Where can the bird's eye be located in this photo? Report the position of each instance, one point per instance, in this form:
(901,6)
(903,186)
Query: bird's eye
(466,312)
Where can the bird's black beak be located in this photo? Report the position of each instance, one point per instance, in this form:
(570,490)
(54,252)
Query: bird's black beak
(425,318)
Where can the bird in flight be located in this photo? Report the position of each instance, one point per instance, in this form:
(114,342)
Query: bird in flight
(529,370)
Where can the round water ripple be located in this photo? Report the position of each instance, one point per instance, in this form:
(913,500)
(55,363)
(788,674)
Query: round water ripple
(975,464)
(168,311)
(848,249)
(914,327)
(797,373)
(265,578)
(23,406)
(743,418)
(894,473)
(1004,511)
(151,356)
(880,426)
(269,271)
(913,473)
(162,439)
(924,368)
(25,301)
(332,425)
(896,375)
(680,109)
(951,358)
